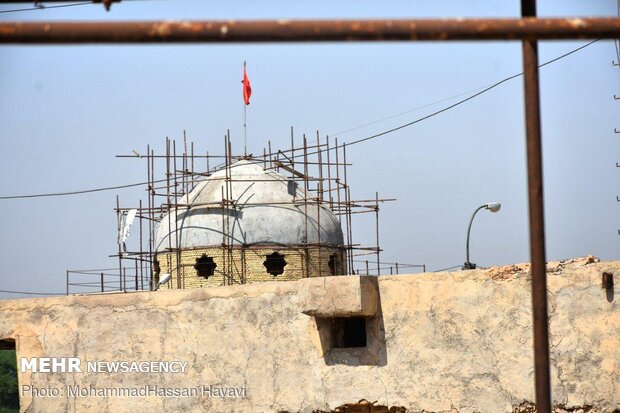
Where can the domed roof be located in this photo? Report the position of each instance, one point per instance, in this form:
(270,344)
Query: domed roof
(269,210)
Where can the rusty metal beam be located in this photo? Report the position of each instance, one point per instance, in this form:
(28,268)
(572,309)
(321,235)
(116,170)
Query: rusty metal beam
(307,30)
(536,216)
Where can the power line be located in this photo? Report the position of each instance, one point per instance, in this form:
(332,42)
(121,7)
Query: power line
(42,7)
(85,191)
(39,6)
(407,111)
(460,102)
(377,135)
(29,292)
(449,268)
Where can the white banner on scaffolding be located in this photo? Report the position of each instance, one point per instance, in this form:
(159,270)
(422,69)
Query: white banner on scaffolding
(126,221)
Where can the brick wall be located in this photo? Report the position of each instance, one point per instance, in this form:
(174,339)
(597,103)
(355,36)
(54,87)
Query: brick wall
(246,265)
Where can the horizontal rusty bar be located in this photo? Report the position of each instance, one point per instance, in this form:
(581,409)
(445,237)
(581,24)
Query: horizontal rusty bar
(307,30)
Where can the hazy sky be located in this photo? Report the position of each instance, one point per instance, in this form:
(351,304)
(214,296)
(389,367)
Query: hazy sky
(66,111)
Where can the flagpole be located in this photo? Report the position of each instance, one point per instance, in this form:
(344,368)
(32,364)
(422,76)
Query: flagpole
(245,125)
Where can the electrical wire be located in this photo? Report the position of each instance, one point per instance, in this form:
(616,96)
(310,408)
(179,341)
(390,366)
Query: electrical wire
(449,268)
(377,135)
(29,292)
(482,90)
(42,7)
(408,111)
(85,191)
(460,102)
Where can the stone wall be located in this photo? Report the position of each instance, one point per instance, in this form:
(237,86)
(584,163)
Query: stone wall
(458,341)
(245,265)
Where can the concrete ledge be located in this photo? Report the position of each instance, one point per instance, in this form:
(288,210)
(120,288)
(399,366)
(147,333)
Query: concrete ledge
(342,296)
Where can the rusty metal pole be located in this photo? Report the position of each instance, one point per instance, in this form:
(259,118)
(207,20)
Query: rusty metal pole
(536,216)
(232,31)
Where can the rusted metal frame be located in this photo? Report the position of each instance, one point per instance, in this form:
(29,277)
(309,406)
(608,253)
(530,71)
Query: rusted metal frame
(292,150)
(319,200)
(225,234)
(256,31)
(309,162)
(185,166)
(149,211)
(120,253)
(344,252)
(320,167)
(151,215)
(231,203)
(279,164)
(338,213)
(176,209)
(536,215)
(215,205)
(164,156)
(292,160)
(329,175)
(347,194)
(168,203)
(141,249)
(136,275)
(305,155)
(192,172)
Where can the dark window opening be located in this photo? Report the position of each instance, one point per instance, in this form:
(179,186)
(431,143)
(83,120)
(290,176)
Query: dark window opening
(333,265)
(275,263)
(9,392)
(348,332)
(205,266)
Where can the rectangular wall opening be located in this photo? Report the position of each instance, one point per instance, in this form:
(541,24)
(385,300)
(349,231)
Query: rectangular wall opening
(9,391)
(348,332)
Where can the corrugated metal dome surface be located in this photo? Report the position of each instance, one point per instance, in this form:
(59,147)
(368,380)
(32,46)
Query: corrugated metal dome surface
(265,213)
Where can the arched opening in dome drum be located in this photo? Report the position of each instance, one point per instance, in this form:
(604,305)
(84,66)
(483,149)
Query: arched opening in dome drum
(333,264)
(205,267)
(275,263)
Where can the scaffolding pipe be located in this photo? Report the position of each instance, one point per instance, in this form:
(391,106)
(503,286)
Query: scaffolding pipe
(257,31)
(536,216)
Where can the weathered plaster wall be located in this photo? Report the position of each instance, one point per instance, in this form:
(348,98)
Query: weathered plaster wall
(437,341)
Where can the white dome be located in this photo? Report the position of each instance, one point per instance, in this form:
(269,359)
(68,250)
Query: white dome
(265,213)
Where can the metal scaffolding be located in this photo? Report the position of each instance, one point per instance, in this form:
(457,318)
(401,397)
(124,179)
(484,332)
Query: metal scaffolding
(320,169)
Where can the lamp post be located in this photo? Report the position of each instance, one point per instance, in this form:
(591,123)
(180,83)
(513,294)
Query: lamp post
(493,207)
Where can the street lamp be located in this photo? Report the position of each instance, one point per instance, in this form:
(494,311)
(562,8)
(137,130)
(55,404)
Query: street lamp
(493,207)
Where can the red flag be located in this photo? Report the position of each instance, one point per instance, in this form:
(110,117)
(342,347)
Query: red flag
(247,89)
